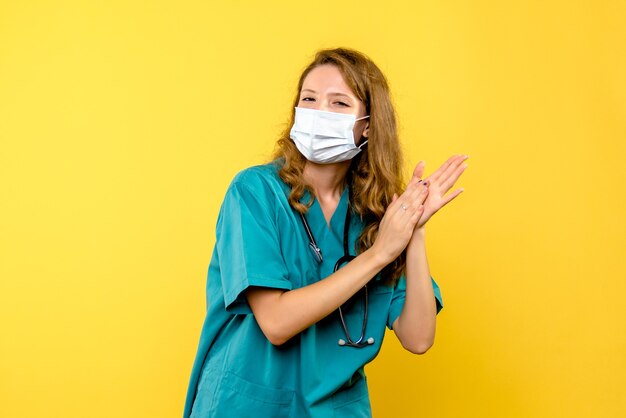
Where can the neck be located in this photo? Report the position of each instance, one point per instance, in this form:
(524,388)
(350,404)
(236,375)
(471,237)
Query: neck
(327,180)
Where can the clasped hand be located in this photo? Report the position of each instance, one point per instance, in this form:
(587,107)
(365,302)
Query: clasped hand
(439,183)
(417,204)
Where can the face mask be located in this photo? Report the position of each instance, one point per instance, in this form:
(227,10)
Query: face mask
(325,137)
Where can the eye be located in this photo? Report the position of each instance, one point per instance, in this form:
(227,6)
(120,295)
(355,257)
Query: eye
(307,99)
(342,104)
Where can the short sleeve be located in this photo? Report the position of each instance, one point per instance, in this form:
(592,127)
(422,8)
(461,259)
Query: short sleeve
(397,300)
(248,245)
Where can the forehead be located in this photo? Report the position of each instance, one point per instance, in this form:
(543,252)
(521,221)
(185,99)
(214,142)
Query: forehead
(326,78)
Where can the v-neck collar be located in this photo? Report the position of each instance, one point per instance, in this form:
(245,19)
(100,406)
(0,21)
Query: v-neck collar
(315,214)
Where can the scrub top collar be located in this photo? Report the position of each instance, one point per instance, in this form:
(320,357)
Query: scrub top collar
(317,220)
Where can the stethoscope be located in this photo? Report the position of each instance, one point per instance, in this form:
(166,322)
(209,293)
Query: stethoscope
(317,252)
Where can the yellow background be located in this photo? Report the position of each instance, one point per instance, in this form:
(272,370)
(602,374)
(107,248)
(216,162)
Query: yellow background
(122,123)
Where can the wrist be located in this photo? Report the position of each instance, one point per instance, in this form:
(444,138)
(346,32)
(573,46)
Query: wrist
(419,232)
(377,257)
(419,236)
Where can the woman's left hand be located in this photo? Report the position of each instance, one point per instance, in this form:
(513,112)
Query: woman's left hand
(439,183)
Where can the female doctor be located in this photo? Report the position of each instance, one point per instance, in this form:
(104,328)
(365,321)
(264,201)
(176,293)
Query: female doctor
(316,253)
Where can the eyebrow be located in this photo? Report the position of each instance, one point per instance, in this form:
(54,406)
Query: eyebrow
(330,94)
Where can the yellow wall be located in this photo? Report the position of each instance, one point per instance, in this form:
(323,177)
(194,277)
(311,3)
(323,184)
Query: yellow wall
(122,123)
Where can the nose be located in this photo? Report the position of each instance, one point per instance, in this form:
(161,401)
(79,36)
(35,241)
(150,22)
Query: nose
(323,107)
(322,103)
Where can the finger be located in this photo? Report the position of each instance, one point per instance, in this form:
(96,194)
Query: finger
(420,196)
(449,182)
(451,196)
(412,193)
(418,172)
(411,206)
(450,170)
(434,176)
(416,216)
(423,195)
(420,192)
(404,207)
(406,194)
(413,182)
(440,174)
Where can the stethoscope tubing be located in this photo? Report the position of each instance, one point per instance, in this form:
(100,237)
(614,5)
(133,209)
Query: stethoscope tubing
(347,257)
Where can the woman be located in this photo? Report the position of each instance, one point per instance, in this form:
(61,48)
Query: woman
(316,252)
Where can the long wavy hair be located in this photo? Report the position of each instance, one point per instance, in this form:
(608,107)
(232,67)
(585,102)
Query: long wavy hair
(375,174)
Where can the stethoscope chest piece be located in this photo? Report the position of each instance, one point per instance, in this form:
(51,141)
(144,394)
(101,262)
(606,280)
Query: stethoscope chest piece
(358,343)
(343,342)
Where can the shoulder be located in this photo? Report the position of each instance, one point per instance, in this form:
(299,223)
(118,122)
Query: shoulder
(259,183)
(258,174)
(256,194)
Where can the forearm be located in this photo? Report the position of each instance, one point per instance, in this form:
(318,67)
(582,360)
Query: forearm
(415,327)
(282,315)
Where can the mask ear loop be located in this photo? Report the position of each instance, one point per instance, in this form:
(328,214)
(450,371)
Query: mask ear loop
(364,142)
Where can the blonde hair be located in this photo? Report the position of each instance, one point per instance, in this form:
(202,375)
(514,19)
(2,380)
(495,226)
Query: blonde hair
(375,174)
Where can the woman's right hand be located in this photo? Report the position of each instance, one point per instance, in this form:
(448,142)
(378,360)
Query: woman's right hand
(397,225)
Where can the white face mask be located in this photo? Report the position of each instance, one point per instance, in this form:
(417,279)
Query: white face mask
(325,137)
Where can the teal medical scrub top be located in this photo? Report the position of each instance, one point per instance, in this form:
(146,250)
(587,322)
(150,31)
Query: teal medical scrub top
(260,241)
